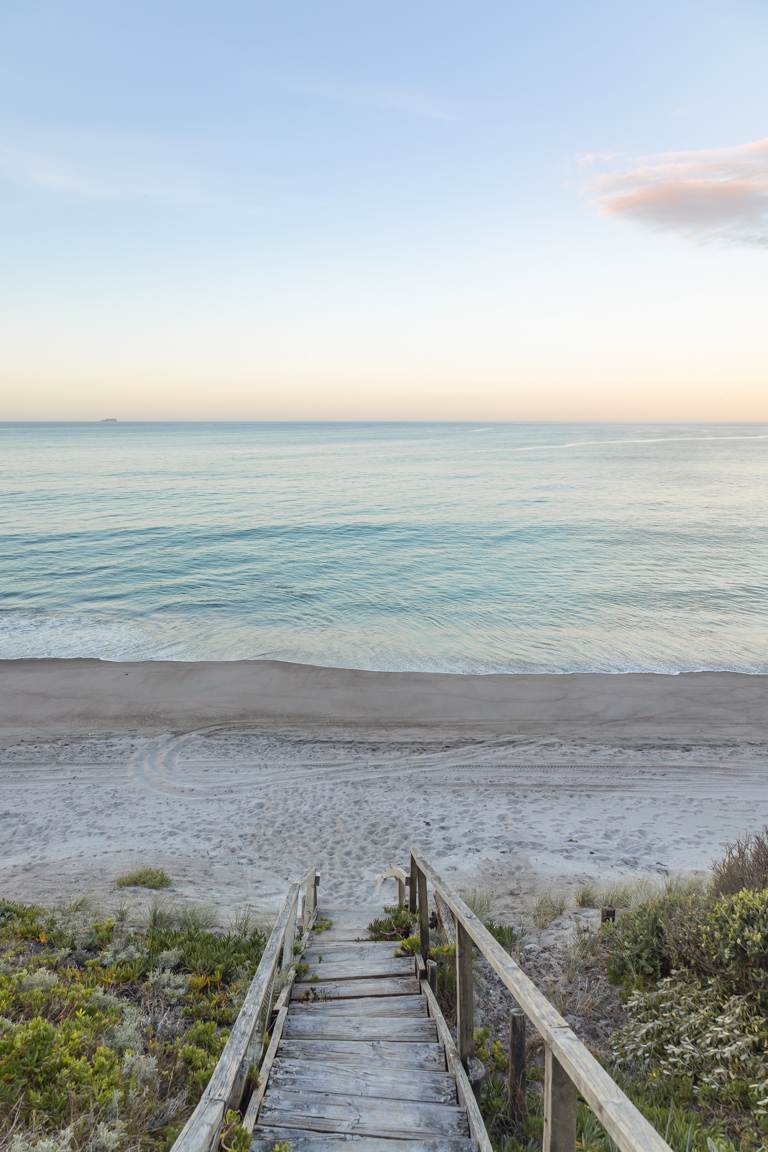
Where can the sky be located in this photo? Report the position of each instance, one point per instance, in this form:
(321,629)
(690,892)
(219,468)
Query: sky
(433,210)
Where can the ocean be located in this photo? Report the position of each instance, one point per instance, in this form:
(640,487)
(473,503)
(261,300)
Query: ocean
(444,547)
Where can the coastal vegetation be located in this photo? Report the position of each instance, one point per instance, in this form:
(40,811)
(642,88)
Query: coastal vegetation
(144,878)
(672,995)
(109,1031)
(688,1039)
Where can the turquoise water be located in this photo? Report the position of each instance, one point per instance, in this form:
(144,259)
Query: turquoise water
(543,548)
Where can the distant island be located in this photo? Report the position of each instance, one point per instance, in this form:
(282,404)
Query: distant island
(109,420)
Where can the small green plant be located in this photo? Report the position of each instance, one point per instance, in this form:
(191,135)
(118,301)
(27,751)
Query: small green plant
(144,878)
(234,1137)
(409,946)
(396,924)
(322,924)
(505,934)
(547,908)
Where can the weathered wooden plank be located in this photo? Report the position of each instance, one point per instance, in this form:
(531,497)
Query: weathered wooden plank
(355,934)
(367,1053)
(265,1139)
(360,969)
(252,1111)
(626,1126)
(324,1026)
(320,990)
(340,952)
(365,1006)
(348,1080)
(358,1114)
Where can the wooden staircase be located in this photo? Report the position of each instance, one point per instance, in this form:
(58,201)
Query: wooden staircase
(359,1063)
(341,1043)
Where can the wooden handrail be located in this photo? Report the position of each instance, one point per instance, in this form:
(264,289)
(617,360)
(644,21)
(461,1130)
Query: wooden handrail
(569,1067)
(227,1085)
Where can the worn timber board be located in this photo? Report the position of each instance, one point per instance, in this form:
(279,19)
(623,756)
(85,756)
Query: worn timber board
(366,1006)
(344,1079)
(306,1025)
(342,952)
(265,1139)
(326,1112)
(361,969)
(367,1053)
(319,990)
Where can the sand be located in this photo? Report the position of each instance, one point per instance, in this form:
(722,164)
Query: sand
(236,776)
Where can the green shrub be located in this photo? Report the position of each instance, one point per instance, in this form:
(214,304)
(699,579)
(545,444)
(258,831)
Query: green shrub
(734,941)
(107,1033)
(692,1033)
(144,878)
(744,865)
(647,942)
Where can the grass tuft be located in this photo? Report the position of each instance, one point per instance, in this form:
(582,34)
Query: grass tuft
(480,900)
(144,878)
(547,908)
(586,897)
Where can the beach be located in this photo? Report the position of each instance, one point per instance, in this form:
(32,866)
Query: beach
(235,776)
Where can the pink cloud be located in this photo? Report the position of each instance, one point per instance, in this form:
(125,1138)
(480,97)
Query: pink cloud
(715,193)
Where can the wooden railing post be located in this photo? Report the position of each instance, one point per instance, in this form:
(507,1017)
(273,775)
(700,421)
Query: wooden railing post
(290,934)
(412,887)
(517,1074)
(559,1107)
(400,891)
(465,995)
(310,900)
(423,916)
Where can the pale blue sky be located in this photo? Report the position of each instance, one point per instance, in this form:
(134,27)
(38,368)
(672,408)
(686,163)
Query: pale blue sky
(340,209)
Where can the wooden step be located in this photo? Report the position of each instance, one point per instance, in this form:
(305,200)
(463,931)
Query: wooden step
(384,1054)
(300,1140)
(365,1006)
(362,968)
(341,1079)
(341,952)
(306,1025)
(325,1112)
(318,990)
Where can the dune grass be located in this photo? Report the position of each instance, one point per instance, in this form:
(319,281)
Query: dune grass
(146,877)
(547,908)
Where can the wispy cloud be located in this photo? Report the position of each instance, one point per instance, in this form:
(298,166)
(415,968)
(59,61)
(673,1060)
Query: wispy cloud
(705,194)
(111,167)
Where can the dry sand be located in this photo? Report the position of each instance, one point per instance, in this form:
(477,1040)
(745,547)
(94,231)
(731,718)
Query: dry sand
(236,776)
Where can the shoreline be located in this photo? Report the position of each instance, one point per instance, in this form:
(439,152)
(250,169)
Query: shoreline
(66,696)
